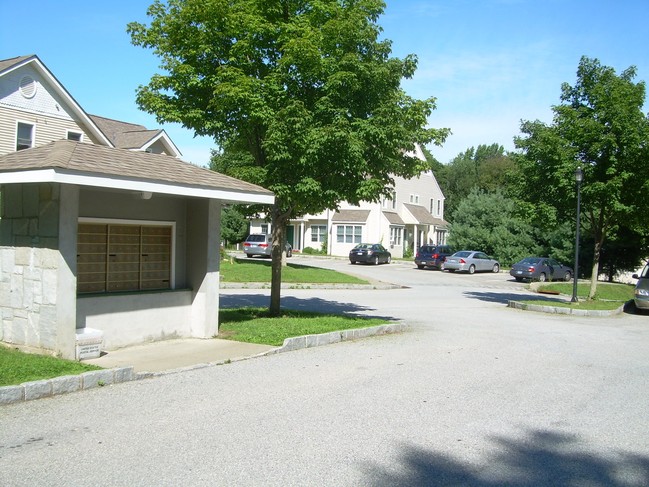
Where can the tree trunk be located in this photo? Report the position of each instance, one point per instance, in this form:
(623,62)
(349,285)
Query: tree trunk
(595,271)
(279,220)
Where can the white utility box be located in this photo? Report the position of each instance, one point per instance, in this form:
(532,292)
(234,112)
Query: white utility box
(89,343)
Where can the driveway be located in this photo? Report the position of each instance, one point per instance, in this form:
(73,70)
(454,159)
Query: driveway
(476,394)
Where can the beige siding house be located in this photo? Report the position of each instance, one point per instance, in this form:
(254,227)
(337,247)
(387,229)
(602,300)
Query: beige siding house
(413,216)
(102,227)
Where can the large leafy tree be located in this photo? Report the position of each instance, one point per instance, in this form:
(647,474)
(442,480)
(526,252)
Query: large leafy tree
(234,225)
(305,89)
(600,127)
(485,168)
(490,222)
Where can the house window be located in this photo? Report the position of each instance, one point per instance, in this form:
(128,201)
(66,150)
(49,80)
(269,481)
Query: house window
(396,235)
(349,233)
(76,136)
(432,206)
(24,136)
(394,200)
(264,228)
(123,257)
(318,233)
(439,207)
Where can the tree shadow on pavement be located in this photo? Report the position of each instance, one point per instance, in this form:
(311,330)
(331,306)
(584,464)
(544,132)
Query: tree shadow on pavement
(541,458)
(316,305)
(504,298)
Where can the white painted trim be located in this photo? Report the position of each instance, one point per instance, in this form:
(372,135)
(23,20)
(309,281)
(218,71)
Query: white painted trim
(166,141)
(161,223)
(25,122)
(42,70)
(71,131)
(115,182)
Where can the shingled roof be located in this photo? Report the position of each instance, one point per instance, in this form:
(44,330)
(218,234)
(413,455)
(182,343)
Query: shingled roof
(95,165)
(126,135)
(423,216)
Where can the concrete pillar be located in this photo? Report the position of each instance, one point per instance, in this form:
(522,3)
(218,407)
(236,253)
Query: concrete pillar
(66,290)
(204,232)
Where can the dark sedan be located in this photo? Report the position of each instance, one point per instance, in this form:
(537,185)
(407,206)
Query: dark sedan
(540,269)
(369,254)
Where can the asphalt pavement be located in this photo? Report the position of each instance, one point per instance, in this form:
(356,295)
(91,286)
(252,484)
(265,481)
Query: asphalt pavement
(474,394)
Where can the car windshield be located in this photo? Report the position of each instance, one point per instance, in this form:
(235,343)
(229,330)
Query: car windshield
(462,253)
(363,246)
(530,260)
(645,272)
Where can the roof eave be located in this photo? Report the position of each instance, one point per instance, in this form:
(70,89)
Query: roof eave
(62,176)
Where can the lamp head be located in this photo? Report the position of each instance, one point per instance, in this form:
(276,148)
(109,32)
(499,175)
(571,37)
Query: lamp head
(579,174)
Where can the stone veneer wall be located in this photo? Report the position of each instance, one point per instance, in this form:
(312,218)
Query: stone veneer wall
(29,261)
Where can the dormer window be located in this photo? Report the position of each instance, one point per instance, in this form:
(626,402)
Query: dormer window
(24,136)
(76,136)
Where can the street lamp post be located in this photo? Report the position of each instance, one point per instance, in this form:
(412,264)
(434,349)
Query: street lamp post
(579,177)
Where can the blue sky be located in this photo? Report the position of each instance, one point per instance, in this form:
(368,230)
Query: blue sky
(489,63)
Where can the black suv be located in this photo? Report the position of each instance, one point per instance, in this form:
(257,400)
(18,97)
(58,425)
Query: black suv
(432,256)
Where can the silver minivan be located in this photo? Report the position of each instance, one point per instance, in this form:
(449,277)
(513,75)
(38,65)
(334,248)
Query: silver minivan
(261,244)
(641,293)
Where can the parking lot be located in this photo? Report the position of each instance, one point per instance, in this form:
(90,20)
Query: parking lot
(474,394)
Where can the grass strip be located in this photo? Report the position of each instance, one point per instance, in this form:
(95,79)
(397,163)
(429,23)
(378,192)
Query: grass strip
(259,270)
(609,296)
(17,367)
(254,325)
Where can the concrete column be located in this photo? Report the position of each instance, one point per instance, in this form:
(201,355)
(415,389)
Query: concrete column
(66,289)
(204,232)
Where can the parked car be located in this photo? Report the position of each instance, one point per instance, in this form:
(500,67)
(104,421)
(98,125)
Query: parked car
(261,244)
(541,269)
(370,254)
(641,293)
(471,261)
(432,256)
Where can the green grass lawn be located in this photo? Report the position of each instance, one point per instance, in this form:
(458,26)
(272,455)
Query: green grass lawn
(246,325)
(608,296)
(259,270)
(253,325)
(17,367)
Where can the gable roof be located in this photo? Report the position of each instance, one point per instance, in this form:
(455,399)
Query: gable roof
(70,162)
(393,218)
(423,216)
(351,216)
(133,136)
(9,65)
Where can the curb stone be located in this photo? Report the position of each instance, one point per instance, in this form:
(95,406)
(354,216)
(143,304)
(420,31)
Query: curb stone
(563,311)
(89,380)
(62,385)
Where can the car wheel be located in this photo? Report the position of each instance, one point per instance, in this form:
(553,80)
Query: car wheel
(496,268)
(451,270)
(389,259)
(471,269)
(289,253)
(519,279)
(567,277)
(441,266)
(249,255)
(352,262)
(376,260)
(420,266)
(542,277)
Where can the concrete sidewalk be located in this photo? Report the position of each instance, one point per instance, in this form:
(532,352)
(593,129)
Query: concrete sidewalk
(176,354)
